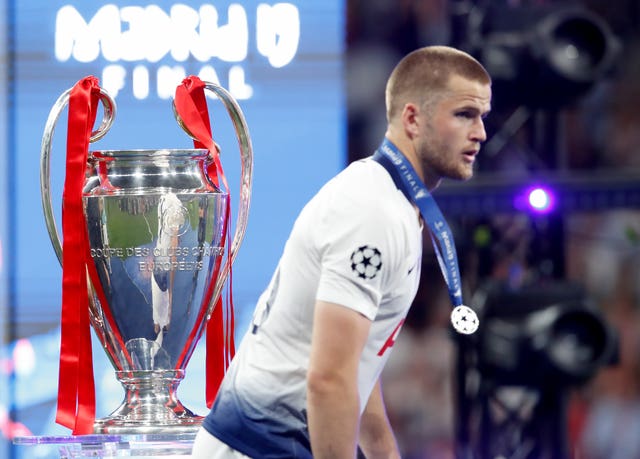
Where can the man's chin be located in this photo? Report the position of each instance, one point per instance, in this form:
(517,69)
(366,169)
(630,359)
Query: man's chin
(461,175)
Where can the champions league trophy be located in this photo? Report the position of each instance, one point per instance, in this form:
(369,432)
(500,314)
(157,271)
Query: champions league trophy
(156,229)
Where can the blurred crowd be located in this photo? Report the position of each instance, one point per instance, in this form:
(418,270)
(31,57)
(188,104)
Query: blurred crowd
(600,249)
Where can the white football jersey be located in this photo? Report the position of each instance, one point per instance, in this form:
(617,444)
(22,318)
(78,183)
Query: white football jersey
(357,243)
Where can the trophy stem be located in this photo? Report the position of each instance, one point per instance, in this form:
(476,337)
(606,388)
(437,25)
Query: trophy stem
(150,405)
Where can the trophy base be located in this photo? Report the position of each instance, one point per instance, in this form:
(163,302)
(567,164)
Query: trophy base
(118,426)
(150,406)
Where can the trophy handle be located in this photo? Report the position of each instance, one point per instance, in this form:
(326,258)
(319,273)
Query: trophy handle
(246,155)
(45,157)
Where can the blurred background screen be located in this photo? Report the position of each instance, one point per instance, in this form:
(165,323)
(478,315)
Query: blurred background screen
(283,64)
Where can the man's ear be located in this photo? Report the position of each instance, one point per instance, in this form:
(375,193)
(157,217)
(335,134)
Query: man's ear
(411,120)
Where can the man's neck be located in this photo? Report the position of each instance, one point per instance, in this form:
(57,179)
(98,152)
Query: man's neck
(406,147)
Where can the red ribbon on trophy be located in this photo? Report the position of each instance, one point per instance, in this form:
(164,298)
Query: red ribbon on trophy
(76,389)
(191,105)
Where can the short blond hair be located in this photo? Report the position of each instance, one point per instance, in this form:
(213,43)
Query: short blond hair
(422,76)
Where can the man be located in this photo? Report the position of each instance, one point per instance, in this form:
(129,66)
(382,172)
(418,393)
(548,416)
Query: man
(305,380)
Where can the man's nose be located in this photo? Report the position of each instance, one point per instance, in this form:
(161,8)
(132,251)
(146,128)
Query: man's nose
(478,133)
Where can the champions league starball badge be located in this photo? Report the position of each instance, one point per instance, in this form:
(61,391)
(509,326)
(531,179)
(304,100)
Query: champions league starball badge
(464,320)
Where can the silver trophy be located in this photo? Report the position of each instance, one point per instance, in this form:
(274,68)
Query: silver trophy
(155,231)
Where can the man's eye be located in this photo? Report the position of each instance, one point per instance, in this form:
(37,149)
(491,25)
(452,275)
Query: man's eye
(465,114)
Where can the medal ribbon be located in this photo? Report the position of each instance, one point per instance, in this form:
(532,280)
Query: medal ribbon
(76,391)
(191,105)
(408,181)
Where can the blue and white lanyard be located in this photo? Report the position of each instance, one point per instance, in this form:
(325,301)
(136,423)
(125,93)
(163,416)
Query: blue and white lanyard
(408,181)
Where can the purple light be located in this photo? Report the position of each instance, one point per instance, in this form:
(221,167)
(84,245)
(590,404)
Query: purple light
(540,199)
(536,199)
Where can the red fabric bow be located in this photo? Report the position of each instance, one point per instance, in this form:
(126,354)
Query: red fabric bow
(76,390)
(191,106)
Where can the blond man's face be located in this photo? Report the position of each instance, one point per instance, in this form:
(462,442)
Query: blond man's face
(451,131)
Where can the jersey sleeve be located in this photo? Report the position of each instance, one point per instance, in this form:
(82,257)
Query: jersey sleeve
(359,253)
